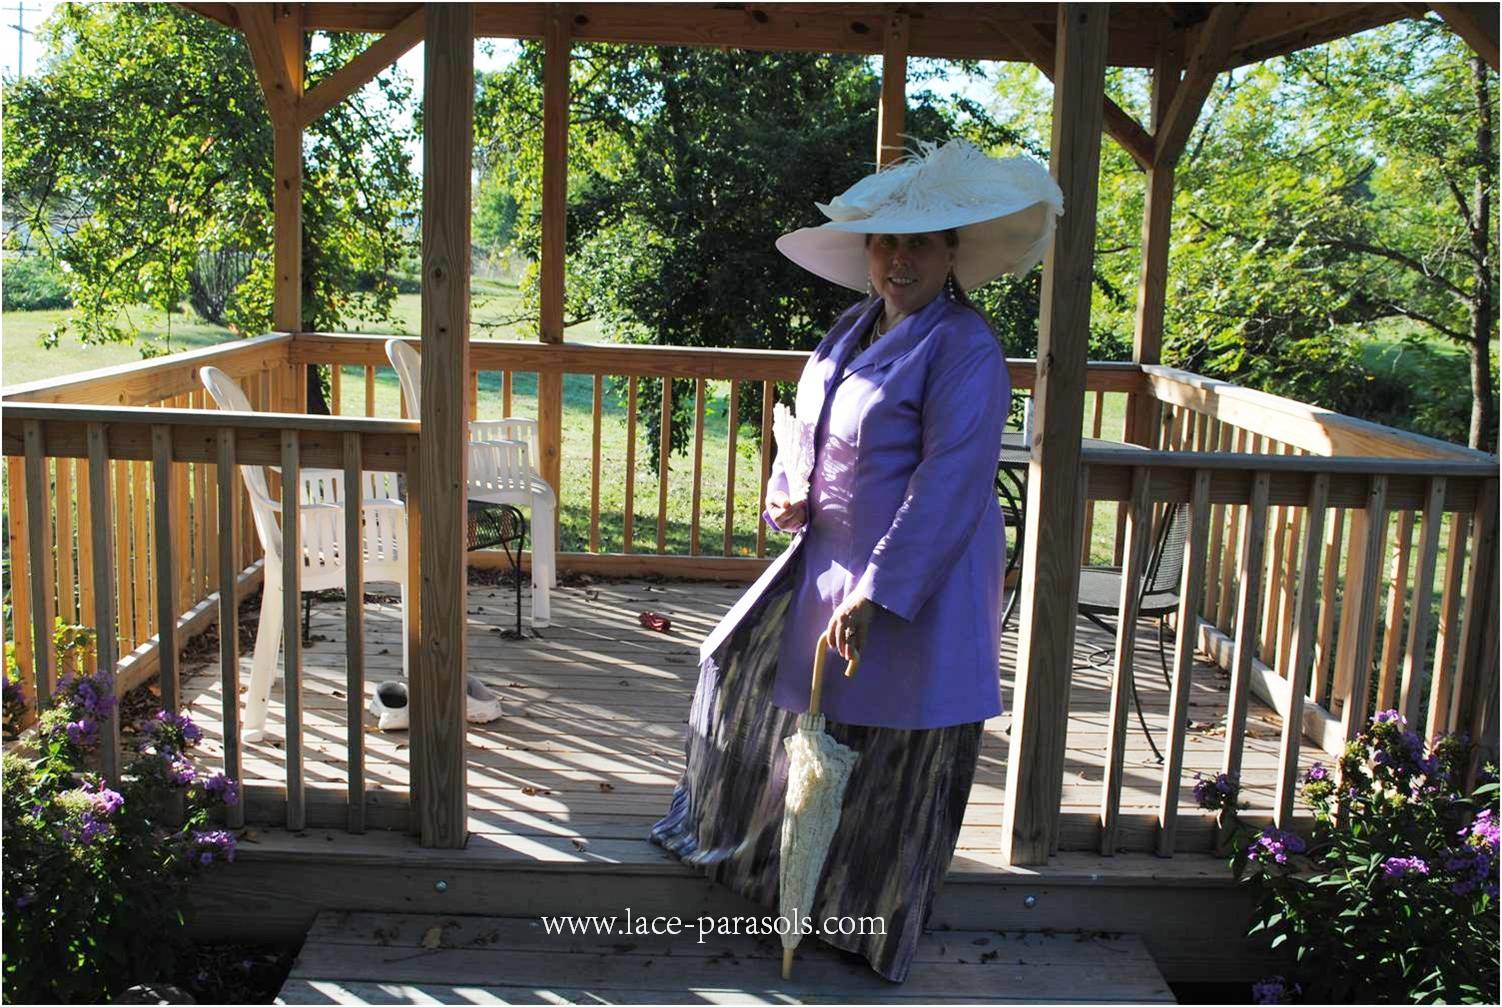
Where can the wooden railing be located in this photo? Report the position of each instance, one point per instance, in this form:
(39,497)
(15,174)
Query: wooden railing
(162,442)
(1288,580)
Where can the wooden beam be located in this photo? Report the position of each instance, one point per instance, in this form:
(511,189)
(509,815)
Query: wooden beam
(1157,223)
(555,116)
(1119,123)
(438,676)
(1474,22)
(1275,29)
(362,69)
(224,13)
(281,87)
(891,114)
(1209,44)
(1051,562)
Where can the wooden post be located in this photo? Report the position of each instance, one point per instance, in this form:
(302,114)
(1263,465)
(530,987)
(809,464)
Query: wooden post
(1157,214)
(891,114)
(286,310)
(39,537)
(1302,658)
(102,534)
(555,102)
(438,668)
(1353,671)
(1050,569)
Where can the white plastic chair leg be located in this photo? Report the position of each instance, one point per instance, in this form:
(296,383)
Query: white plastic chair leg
(544,560)
(406,657)
(263,665)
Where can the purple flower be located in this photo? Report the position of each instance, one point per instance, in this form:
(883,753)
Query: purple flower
(212,844)
(227,791)
(1215,793)
(1317,773)
(1398,867)
(82,732)
(106,801)
(1474,863)
(87,829)
(1389,717)
(1274,991)
(1274,846)
(171,730)
(25,899)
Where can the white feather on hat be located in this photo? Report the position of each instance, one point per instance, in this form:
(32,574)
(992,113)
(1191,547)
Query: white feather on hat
(1003,208)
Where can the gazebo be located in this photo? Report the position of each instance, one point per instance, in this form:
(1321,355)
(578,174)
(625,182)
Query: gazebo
(1287,556)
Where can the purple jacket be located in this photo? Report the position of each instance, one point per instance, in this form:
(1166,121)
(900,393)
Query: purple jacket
(902,511)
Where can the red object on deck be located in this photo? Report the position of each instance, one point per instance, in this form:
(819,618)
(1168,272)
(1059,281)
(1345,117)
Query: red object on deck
(654,621)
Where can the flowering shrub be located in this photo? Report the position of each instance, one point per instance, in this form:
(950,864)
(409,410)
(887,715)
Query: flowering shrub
(1217,793)
(1394,896)
(93,876)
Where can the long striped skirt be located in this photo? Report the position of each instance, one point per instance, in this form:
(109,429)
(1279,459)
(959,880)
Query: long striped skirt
(901,816)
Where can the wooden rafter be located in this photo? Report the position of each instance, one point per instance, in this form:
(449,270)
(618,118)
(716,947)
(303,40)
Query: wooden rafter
(363,68)
(1119,123)
(891,114)
(223,13)
(262,37)
(1209,44)
(1474,22)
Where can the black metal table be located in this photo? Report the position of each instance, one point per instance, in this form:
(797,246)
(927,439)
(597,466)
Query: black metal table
(498,524)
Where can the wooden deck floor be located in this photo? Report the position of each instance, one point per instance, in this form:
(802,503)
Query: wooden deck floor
(591,742)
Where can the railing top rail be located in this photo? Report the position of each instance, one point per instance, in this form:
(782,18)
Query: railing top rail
(1310,427)
(1484,467)
(155,416)
(115,385)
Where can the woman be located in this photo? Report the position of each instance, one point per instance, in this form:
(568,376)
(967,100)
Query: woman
(898,556)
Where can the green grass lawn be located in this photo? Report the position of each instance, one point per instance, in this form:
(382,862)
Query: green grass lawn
(494,302)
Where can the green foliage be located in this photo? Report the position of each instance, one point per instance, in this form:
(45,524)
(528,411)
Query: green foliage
(1394,899)
(140,154)
(685,165)
(32,283)
(93,877)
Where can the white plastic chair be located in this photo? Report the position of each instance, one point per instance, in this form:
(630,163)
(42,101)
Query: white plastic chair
(321,530)
(500,471)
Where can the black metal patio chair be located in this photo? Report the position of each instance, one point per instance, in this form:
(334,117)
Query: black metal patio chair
(1100,595)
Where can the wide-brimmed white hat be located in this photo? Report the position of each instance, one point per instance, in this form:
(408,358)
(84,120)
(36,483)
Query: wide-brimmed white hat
(1003,207)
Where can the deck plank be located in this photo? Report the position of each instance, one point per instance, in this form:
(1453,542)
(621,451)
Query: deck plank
(392,958)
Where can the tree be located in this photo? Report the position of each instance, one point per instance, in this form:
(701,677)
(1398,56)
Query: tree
(140,156)
(1322,192)
(685,165)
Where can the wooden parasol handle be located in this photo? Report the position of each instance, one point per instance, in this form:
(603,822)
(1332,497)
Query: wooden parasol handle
(821,651)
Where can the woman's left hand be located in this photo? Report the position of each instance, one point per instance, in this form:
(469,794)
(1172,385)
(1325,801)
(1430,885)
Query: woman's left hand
(846,633)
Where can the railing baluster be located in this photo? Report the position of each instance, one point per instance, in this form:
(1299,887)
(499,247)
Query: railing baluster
(1271,617)
(506,377)
(1358,634)
(229,617)
(182,543)
(474,395)
(421,743)
(1392,640)
(1138,540)
(1248,599)
(1411,691)
(39,534)
(166,586)
(1303,651)
(370,373)
(1477,659)
(202,521)
(1210,607)
(21,569)
(62,503)
(292,561)
(140,549)
(594,466)
(100,535)
(354,629)
(1288,602)
(1095,417)
(1329,575)
(693,533)
(664,451)
(732,420)
(1441,692)
(336,389)
(1183,658)
(1228,566)
(87,613)
(125,594)
(630,515)
(768,396)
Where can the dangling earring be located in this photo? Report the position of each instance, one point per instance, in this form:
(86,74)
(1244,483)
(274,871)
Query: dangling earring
(870,289)
(951,287)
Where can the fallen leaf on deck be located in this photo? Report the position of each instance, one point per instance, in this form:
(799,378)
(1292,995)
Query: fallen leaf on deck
(433,937)
(535,791)
(605,788)
(579,844)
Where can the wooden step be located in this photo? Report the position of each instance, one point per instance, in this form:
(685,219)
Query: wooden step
(386,958)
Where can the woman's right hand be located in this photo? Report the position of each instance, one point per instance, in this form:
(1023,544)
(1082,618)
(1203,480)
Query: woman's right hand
(784,513)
